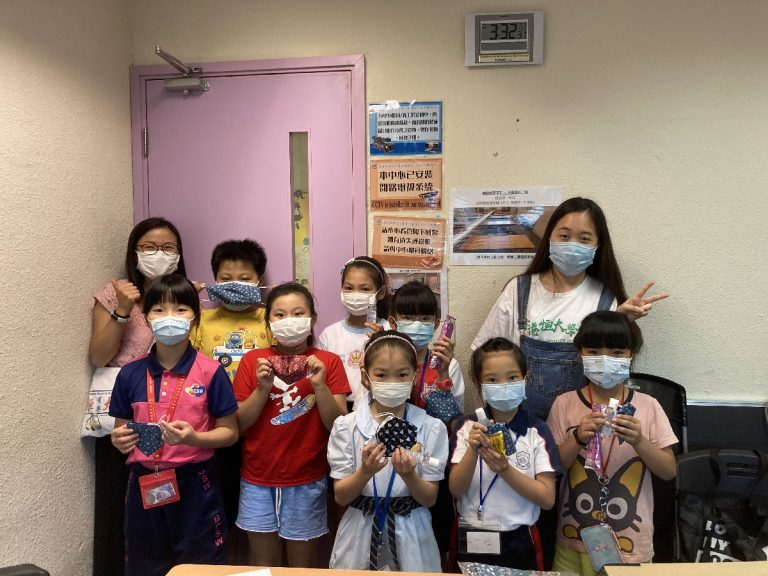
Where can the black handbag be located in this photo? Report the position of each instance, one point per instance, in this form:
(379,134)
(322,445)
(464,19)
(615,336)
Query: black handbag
(727,521)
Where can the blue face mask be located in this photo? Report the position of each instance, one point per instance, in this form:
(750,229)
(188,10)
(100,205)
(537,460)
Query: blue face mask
(606,371)
(506,396)
(170,330)
(420,332)
(571,258)
(235,296)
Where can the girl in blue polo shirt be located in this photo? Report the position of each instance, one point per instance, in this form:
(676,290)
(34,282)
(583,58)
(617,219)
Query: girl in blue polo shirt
(172,408)
(501,486)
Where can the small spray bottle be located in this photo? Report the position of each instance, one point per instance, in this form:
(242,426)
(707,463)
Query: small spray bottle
(449,325)
(371,315)
(607,430)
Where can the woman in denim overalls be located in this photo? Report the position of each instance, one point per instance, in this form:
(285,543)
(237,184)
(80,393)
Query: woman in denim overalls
(573,273)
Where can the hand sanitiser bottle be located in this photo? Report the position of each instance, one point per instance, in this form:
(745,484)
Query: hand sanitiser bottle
(449,325)
(607,429)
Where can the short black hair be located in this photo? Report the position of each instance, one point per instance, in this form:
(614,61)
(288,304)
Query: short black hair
(497,344)
(393,339)
(608,329)
(291,288)
(415,298)
(171,288)
(132,261)
(246,250)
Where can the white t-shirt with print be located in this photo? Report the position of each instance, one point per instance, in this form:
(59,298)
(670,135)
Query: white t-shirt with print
(551,317)
(347,342)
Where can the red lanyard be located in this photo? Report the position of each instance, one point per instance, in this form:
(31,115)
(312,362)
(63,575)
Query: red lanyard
(168,414)
(613,436)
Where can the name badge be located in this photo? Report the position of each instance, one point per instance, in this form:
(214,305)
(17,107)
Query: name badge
(159,489)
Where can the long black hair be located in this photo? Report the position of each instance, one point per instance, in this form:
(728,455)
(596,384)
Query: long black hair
(131,259)
(378,276)
(604,267)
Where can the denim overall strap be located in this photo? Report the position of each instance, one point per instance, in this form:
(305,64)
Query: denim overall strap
(523,290)
(606,299)
(553,367)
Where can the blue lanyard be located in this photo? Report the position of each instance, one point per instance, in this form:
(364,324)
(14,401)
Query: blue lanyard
(483,497)
(380,512)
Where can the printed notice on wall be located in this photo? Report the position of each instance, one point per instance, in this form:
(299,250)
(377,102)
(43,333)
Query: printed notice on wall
(406,128)
(406,183)
(409,242)
(500,226)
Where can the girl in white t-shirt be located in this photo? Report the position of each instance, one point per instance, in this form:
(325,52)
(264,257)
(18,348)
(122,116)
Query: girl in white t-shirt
(363,282)
(574,272)
(501,487)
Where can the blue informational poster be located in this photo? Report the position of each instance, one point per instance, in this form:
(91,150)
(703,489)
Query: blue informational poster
(398,128)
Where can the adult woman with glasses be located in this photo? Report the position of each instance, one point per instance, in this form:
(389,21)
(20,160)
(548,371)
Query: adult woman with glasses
(119,335)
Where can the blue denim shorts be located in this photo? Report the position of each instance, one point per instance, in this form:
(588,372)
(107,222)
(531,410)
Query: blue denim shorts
(294,512)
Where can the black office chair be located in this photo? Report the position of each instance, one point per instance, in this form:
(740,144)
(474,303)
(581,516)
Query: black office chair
(671,396)
(722,475)
(24,570)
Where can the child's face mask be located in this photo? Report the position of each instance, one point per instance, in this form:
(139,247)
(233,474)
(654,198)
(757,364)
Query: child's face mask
(606,371)
(357,303)
(235,296)
(420,332)
(391,394)
(170,330)
(505,396)
(291,331)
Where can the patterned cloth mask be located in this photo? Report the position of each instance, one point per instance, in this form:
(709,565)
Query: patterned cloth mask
(442,404)
(290,368)
(509,438)
(396,433)
(150,436)
(235,296)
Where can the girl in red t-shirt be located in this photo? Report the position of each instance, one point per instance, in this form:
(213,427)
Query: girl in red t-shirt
(289,395)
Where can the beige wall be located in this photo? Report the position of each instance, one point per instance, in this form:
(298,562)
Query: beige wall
(655,109)
(65,213)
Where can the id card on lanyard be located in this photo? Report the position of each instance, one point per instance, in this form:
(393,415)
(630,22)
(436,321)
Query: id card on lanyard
(160,488)
(483,534)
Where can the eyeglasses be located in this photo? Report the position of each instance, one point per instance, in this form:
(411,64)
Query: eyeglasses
(149,249)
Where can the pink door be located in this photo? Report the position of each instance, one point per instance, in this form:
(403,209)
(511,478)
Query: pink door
(218,164)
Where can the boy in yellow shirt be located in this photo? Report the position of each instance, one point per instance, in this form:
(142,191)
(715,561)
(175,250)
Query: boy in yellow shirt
(227,332)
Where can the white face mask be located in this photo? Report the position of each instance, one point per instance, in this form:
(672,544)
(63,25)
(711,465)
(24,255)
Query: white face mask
(157,264)
(292,331)
(391,394)
(357,303)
